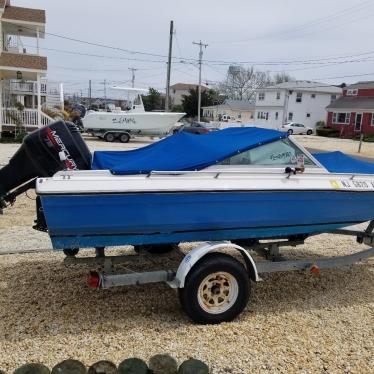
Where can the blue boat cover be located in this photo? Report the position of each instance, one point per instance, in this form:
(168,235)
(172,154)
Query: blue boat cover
(185,151)
(338,162)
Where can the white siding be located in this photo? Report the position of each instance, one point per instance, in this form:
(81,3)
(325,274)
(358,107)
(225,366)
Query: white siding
(308,112)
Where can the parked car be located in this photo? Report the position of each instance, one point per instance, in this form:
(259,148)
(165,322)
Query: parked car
(297,128)
(196,128)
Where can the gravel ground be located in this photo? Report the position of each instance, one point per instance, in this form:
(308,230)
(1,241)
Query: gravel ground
(293,323)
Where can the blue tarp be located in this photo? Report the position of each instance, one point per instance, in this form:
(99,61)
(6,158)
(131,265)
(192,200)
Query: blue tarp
(185,151)
(338,162)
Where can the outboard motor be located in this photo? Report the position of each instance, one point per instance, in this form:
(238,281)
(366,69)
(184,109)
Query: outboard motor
(58,146)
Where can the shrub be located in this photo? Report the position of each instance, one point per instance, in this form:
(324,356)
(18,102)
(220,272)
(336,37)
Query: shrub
(328,132)
(320,124)
(368,138)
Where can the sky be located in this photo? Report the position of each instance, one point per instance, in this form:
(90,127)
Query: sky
(327,41)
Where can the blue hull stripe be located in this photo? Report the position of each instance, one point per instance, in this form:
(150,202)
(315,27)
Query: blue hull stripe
(107,219)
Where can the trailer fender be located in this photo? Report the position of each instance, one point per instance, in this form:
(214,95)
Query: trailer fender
(199,252)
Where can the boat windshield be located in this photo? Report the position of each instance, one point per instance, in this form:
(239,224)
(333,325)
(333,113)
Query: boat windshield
(280,152)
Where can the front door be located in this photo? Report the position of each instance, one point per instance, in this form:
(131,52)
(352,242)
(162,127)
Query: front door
(358,122)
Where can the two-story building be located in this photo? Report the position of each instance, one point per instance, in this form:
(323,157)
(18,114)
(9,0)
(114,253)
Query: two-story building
(353,113)
(21,71)
(295,101)
(177,91)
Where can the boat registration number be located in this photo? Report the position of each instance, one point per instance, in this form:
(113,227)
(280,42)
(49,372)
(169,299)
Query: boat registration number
(352,184)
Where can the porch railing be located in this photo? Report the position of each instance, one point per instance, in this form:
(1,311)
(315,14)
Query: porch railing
(24,118)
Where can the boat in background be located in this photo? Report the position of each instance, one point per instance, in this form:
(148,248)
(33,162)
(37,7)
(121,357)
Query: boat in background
(135,121)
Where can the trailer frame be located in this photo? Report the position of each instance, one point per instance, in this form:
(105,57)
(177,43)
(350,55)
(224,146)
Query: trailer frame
(107,277)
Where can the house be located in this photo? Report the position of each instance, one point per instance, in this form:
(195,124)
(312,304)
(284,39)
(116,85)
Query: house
(179,89)
(21,71)
(242,110)
(294,101)
(353,113)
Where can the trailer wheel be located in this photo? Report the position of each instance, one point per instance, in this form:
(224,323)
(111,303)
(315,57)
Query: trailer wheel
(109,137)
(124,138)
(71,251)
(216,289)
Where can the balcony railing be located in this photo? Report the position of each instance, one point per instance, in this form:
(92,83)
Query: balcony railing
(24,118)
(26,87)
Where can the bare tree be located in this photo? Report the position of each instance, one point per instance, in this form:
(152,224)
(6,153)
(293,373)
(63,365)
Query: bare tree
(241,83)
(282,77)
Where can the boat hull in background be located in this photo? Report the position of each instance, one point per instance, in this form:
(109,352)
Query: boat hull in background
(89,220)
(146,123)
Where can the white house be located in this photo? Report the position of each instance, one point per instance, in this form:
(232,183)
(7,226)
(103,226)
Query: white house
(23,70)
(296,101)
(179,89)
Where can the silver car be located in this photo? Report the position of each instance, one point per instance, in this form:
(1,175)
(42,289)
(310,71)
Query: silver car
(297,128)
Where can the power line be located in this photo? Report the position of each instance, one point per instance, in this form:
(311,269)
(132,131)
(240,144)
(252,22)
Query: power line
(342,13)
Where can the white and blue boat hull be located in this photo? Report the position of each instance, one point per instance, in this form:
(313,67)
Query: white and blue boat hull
(111,219)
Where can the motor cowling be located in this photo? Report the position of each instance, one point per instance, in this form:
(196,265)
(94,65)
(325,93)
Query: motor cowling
(58,146)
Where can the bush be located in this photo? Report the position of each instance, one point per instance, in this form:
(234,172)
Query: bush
(320,124)
(328,132)
(368,138)
(20,136)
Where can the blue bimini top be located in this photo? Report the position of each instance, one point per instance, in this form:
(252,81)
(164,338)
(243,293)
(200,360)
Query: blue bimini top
(185,151)
(338,162)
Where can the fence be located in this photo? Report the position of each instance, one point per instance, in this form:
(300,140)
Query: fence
(24,118)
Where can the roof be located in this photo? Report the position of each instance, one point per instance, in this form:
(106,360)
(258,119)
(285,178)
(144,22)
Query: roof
(186,86)
(362,84)
(353,102)
(17,60)
(235,105)
(305,86)
(24,14)
(185,151)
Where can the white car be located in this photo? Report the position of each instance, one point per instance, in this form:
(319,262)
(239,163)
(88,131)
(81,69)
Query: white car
(296,128)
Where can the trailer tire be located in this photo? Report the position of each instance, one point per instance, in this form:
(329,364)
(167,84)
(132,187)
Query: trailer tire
(109,137)
(124,138)
(216,289)
(71,251)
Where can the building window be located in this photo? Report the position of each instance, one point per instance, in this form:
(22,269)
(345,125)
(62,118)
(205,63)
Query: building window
(261,96)
(263,115)
(239,115)
(308,115)
(290,116)
(299,97)
(372,119)
(341,118)
(313,96)
(352,92)
(333,98)
(278,95)
(276,115)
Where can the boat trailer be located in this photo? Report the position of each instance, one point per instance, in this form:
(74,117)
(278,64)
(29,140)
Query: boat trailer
(213,285)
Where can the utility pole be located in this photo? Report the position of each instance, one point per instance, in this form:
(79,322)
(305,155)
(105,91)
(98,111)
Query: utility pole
(133,70)
(105,93)
(169,67)
(201,45)
(89,93)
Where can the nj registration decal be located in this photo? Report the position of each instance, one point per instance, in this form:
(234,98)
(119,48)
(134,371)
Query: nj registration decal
(352,184)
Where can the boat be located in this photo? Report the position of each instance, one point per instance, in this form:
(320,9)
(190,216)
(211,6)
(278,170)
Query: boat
(133,121)
(232,184)
(230,188)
